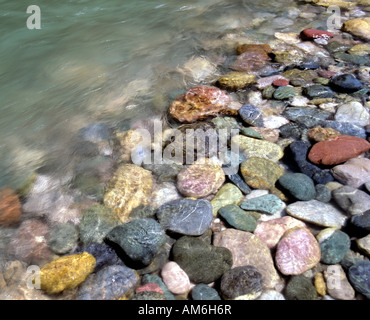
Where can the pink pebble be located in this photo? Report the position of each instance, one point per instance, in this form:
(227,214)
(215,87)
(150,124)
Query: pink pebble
(151,286)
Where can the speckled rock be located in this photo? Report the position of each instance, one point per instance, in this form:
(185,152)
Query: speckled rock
(337,283)
(311,34)
(228,194)
(236,80)
(111,283)
(269,204)
(299,185)
(66,272)
(250,59)
(322,134)
(186,216)
(333,246)
(128,142)
(359,275)
(147,296)
(163,193)
(300,288)
(360,49)
(200,103)
(354,172)
(249,250)
(285,92)
(238,218)
(200,180)
(352,200)
(358,27)
(62,238)
(323,193)
(271,231)
(297,252)
(10,207)
(320,284)
(251,115)
(306,116)
(319,213)
(176,280)
(202,262)
(241,283)
(130,187)
(353,112)
(318,91)
(204,292)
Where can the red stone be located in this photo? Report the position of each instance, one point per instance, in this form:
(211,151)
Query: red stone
(326,74)
(200,103)
(280,83)
(151,286)
(10,207)
(338,150)
(311,34)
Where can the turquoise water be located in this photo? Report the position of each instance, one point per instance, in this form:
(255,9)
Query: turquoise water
(108,61)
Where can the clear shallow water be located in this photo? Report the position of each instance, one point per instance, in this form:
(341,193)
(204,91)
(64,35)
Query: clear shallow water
(108,61)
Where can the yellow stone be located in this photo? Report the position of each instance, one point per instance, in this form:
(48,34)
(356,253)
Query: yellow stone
(358,27)
(228,194)
(66,272)
(127,142)
(320,284)
(236,80)
(130,187)
(360,49)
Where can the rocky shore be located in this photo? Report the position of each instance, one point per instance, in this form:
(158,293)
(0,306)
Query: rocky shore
(290,223)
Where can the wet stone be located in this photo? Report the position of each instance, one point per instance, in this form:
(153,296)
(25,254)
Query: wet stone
(62,238)
(149,278)
(148,296)
(323,193)
(251,115)
(346,83)
(239,182)
(284,92)
(352,58)
(10,207)
(318,91)
(334,248)
(362,221)
(353,201)
(306,116)
(354,172)
(238,218)
(345,128)
(228,194)
(291,130)
(204,292)
(359,275)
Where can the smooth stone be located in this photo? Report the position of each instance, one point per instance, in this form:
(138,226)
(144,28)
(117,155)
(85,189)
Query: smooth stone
(352,200)
(345,128)
(237,180)
(269,204)
(140,239)
(111,283)
(263,48)
(353,59)
(238,218)
(319,213)
(163,193)
(299,185)
(258,148)
(164,172)
(176,280)
(351,258)
(323,193)
(322,134)
(334,248)
(251,133)
(353,112)
(362,221)
(202,262)
(318,91)
(271,231)
(250,59)
(271,295)
(346,83)
(186,216)
(297,252)
(241,283)
(96,223)
(228,194)
(200,180)
(274,122)
(311,34)
(66,272)
(130,187)
(150,278)
(283,93)
(280,83)
(354,172)
(148,296)
(338,3)
(204,292)
(338,150)
(236,80)
(200,103)
(10,207)
(249,250)
(299,101)
(359,275)
(62,238)
(359,27)
(251,115)
(306,116)
(338,286)
(300,288)
(364,244)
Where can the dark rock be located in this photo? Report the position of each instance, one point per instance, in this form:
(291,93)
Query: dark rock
(203,263)
(362,220)
(143,211)
(240,183)
(299,185)
(300,288)
(359,275)
(241,281)
(318,91)
(251,115)
(334,248)
(336,46)
(352,58)
(323,193)
(62,238)
(291,130)
(283,93)
(306,116)
(204,292)
(346,83)
(311,34)
(148,295)
(86,149)
(149,278)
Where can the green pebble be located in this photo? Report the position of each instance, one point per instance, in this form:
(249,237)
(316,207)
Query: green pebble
(283,93)
(252,133)
(238,218)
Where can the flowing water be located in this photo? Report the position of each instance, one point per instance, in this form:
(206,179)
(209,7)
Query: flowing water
(108,61)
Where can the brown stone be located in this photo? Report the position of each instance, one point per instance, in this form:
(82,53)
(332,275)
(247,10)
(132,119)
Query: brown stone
(250,61)
(322,134)
(338,150)
(200,103)
(264,48)
(10,207)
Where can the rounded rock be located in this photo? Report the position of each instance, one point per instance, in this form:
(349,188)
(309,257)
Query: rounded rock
(238,218)
(300,288)
(176,280)
(62,238)
(298,185)
(204,292)
(334,248)
(359,275)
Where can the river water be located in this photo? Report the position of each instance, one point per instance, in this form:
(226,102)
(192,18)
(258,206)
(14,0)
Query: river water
(110,61)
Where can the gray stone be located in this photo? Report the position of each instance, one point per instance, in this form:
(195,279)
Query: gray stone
(318,91)
(204,292)
(359,275)
(62,238)
(344,128)
(251,115)
(355,172)
(268,203)
(300,288)
(352,200)
(240,183)
(334,248)
(306,116)
(323,193)
(337,283)
(299,185)
(362,220)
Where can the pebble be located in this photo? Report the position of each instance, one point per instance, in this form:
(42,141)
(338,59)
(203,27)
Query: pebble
(250,59)
(130,187)
(186,216)
(359,275)
(345,128)
(306,116)
(251,133)
(316,212)
(150,278)
(360,49)
(300,288)
(323,193)
(271,295)
(238,218)
(264,82)
(176,280)
(274,122)
(364,244)
(283,93)
(162,193)
(271,231)
(320,284)
(236,80)
(311,34)
(299,185)
(334,247)
(238,181)
(346,83)
(251,115)
(299,101)
(147,295)
(354,172)
(200,180)
(358,27)
(204,292)
(96,223)
(62,238)
(353,112)
(338,286)
(66,272)
(202,262)
(322,134)
(228,194)
(351,200)
(111,283)
(269,204)
(297,252)
(241,283)
(280,83)
(10,208)
(249,250)
(318,91)
(353,59)
(338,150)
(291,130)
(140,239)
(362,221)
